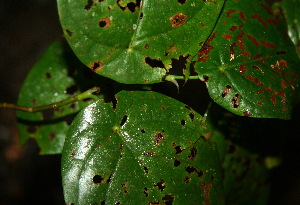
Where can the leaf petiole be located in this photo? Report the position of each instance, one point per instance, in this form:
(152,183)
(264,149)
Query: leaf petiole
(85,95)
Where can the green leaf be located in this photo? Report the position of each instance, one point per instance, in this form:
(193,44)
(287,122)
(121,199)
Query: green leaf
(134,42)
(149,150)
(292,15)
(249,65)
(55,77)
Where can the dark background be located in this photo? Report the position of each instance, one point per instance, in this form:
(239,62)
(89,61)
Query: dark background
(27,28)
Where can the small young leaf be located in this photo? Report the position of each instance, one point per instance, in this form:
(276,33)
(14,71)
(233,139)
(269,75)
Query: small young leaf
(55,77)
(134,41)
(248,63)
(150,150)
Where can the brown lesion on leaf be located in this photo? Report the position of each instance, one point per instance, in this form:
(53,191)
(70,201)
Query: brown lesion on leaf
(269,90)
(257,16)
(205,49)
(159,137)
(206,188)
(33,102)
(168,199)
(267,44)
(232,51)
(283,63)
(247,113)
(149,154)
(73,153)
(260,103)
(255,80)
(282,94)
(235,101)
(193,154)
(160,185)
(147,46)
(276,67)
(177,19)
(283,85)
(171,49)
(31,129)
(233,28)
(52,135)
(243,69)
(96,66)
(253,40)
(226,91)
(121,147)
(125,186)
(273,100)
(105,22)
(227,36)
(260,91)
(241,44)
(242,16)
(205,78)
(281,52)
(187,179)
(231,11)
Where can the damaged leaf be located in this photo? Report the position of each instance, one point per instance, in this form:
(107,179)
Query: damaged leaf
(134,41)
(55,77)
(140,152)
(249,52)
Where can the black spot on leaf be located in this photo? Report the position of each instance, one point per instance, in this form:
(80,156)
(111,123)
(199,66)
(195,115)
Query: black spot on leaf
(32,129)
(109,178)
(161,185)
(187,179)
(89,5)
(48,75)
(70,33)
(141,15)
(143,131)
(191,170)
(149,154)
(178,149)
(177,163)
(188,107)
(105,22)
(235,101)
(146,170)
(47,114)
(183,123)
(181,1)
(192,116)
(96,66)
(168,199)
(193,154)
(146,192)
(226,91)
(98,179)
(205,78)
(123,121)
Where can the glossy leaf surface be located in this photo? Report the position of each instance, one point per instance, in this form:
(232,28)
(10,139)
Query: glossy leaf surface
(54,78)
(249,65)
(150,150)
(134,41)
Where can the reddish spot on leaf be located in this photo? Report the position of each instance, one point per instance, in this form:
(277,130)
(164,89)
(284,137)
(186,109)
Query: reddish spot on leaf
(273,99)
(241,27)
(241,44)
(224,23)
(223,73)
(283,63)
(177,19)
(269,90)
(257,16)
(280,52)
(105,22)
(243,17)
(284,109)
(226,91)
(267,44)
(281,94)
(243,69)
(206,49)
(208,135)
(274,21)
(206,188)
(268,9)
(260,104)
(231,11)
(257,57)
(292,75)
(260,91)
(233,28)
(255,80)
(253,40)
(146,46)
(227,36)
(283,84)
(96,66)
(247,114)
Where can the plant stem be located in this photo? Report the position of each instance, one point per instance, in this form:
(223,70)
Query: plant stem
(85,95)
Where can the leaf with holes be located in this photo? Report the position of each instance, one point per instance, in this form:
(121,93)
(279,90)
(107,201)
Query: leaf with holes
(52,79)
(248,63)
(292,16)
(150,150)
(134,41)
